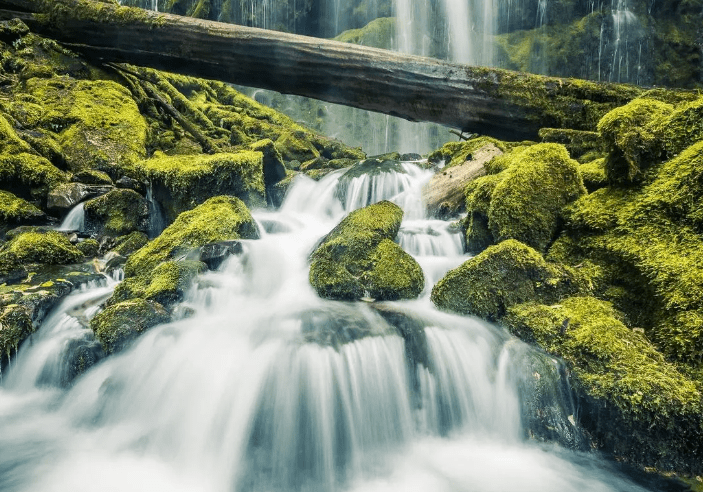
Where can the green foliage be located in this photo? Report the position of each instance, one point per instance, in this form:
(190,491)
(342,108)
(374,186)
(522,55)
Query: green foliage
(631,140)
(117,213)
(356,257)
(217,219)
(51,248)
(119,324)
(526,204)
(502,276)
(379,33)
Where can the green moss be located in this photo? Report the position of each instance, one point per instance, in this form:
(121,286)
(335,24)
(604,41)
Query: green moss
(89,247)
(165,284)
(15,210)
(295,146)
(353,258)
(51,248)
(379,33)
(218,219)
(456,153)
(637,402)
(118,325)
(631,141)
(502,276)
(526,204)
(11,142)
(478,200)
(394,275)
(116,213)
(126,245)
(92,176)
(29,176)
(96,122)
(182,182)
(15,326)
(593,174)
(577,142)
(680,129)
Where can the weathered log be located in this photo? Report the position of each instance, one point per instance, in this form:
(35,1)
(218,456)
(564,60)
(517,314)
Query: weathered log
(483,100)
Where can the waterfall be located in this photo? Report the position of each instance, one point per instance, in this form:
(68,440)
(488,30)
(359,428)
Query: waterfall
(266,386)
(74,220)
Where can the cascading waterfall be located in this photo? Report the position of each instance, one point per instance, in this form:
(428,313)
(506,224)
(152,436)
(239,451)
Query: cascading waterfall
(74,220)
(268,387)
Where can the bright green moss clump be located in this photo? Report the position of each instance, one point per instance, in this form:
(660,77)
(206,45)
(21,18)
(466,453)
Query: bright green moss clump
(51,248)
(456,153)
(165,284)
(118,325)
(15,326)
(29,176)
(96,122)
(502,276)
(356,257)
(116,213)
(526,204)
(182,182)
(633,400)
(631,141)
(15,210)
(218,219)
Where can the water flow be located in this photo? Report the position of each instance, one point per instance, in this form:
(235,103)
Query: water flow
(268,387)
(75,220)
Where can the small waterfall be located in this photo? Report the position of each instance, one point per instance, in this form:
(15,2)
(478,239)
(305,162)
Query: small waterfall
(75,220)
(157,221)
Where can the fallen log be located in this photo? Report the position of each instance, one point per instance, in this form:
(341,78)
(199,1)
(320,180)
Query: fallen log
(501,103)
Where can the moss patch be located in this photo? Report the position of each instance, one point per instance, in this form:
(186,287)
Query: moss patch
(15,210)
(51,248)
(118,325)
(116,213)
(29,176)
(218,219)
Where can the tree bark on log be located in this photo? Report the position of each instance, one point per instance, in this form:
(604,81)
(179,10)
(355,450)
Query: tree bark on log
(501,103)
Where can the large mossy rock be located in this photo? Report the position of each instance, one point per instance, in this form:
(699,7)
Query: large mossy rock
(29,176)
(502,276)
(120,324)
(182,182)
(359,256)
(50,248)
(117,213)
(523,197)
(15,211)
(218,219)
(15,327)
(96,122)
(635,404)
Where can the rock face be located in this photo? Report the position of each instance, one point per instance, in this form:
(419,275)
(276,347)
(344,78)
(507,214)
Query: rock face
(359,256)
(500,277)
(444,194)
(67,195)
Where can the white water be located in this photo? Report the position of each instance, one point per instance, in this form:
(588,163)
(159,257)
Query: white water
(268,387)
(74,220)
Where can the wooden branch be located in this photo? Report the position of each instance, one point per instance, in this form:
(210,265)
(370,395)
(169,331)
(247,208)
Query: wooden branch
(482,100)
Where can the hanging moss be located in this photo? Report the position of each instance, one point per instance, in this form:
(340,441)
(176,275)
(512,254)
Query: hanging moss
(526,204)
(502,276)
(217,219)
(182,182)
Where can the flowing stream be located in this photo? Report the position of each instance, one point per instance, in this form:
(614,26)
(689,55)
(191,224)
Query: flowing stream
(266,387)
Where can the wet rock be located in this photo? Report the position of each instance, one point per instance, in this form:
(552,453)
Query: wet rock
(119,325)
(274,170)
(359,256)
(444,194)
(213,254)
(68,195)
(128,183)
(79,356)
(116,213)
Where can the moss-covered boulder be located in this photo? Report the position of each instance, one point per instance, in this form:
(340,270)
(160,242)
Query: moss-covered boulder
(96,122)
(15,211)
(180,183)
(478,201)
(166,284)
(89,247)
(456,153)
(632,142)
(296,146)
(126,245)
(681,128)
(117,213)
(593,174)
(527,202)
(634,403)
(29,176)
(218,219)
(50,248)
(502,276)
(15,326)
(577,142)
(120,324)
(359,256)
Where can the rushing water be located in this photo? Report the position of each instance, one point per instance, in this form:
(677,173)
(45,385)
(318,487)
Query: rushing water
(74,220)
(267,387)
